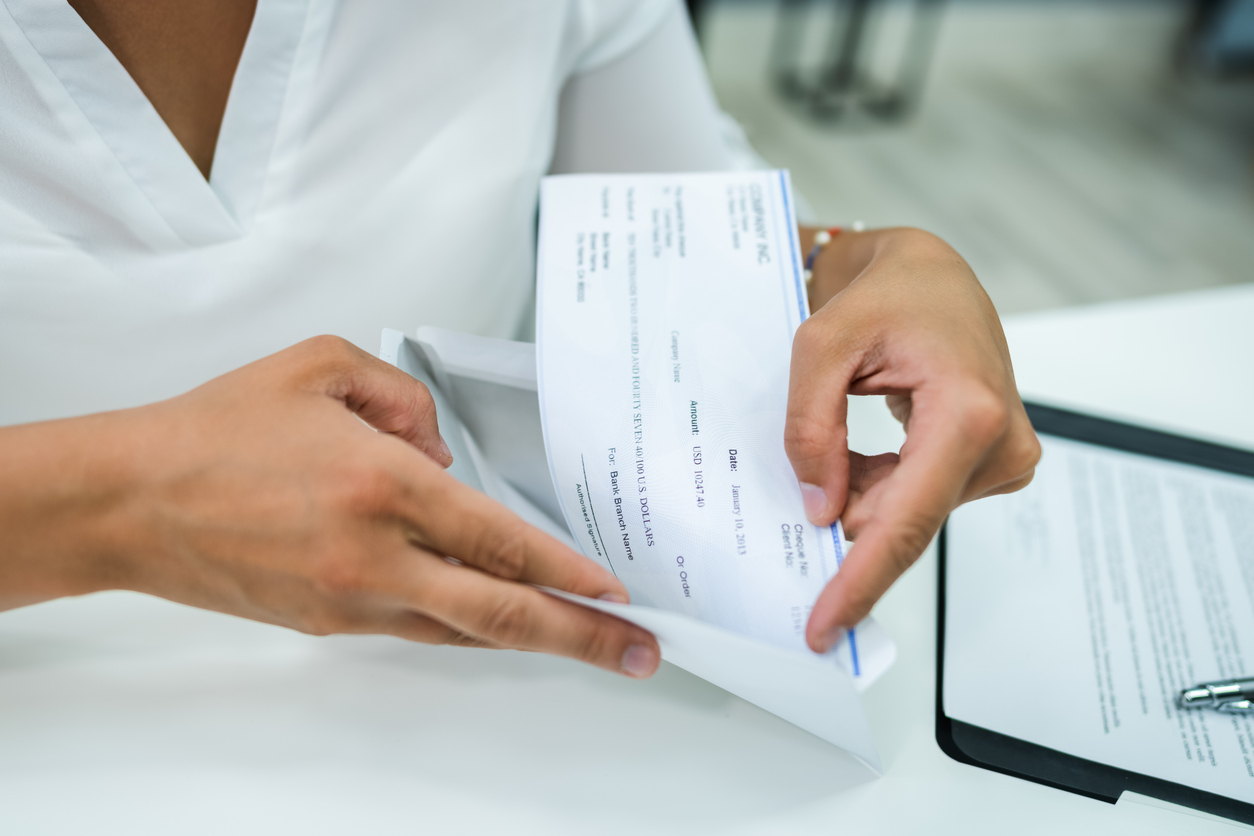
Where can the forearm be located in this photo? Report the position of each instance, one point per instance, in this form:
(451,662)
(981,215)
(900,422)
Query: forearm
(63,500)
(308,490)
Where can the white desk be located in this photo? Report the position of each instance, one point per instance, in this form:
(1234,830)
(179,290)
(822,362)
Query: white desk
(122,714)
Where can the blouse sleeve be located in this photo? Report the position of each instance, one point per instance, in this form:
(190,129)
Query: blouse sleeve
(639,100)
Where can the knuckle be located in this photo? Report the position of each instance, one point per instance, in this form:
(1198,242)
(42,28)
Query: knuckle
(854,518)
(502,549)
(365,490)
(809,339)
(339,576)
(806,437)
(913,537)
(508,622)
(1027,453)
(327,345)
(1017,456)
(596,643)
(332,358)
(328,348)
(986,416)
(423,402)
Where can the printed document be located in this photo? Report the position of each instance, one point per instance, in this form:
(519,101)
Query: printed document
(667,306)
(1080,607)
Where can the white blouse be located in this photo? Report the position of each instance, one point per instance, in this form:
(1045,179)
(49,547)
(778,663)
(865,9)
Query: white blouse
(377,166)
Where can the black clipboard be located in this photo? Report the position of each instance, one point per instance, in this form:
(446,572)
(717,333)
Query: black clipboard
(1010,756)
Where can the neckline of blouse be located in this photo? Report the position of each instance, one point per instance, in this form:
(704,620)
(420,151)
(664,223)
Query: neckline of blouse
(197,211)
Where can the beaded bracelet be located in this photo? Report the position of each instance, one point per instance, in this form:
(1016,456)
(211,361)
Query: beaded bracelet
(821,239)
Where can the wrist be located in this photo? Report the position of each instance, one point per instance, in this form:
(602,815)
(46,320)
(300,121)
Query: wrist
(852,253)
(66,508)
(833,258)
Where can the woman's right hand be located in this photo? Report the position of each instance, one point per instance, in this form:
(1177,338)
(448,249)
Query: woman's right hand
(266,494)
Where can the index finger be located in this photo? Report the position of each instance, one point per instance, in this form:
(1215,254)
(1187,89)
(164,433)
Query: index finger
(379,393)
(451,518)
(816,437)
(515,615)
(951,429)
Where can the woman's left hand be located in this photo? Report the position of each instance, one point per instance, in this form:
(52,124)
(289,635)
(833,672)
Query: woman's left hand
(899,313)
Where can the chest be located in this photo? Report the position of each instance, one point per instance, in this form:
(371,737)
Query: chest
(182,54)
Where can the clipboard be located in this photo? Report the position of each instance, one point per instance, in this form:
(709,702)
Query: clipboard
(1008,755)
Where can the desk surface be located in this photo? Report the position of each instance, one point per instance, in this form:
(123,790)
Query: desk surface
(124,714)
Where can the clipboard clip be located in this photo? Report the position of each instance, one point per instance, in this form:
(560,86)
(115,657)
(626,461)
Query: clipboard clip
(1238,707)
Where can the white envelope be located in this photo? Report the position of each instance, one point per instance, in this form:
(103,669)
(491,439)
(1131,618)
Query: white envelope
(486,398)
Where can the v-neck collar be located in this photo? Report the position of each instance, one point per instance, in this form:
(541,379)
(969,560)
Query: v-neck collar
(199,212)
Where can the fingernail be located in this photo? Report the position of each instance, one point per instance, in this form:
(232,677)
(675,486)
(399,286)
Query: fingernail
(815,502)
(613,598)
(639,661)
(448,454)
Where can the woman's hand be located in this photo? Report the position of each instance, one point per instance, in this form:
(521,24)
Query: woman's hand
(267,494)
(899,313)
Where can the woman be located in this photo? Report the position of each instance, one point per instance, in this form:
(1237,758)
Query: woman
(188,188)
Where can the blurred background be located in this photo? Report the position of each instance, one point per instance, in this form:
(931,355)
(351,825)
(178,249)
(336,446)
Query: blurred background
(1074,151)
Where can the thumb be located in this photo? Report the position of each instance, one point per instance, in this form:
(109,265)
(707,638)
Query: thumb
(816,437)
(387,399)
